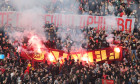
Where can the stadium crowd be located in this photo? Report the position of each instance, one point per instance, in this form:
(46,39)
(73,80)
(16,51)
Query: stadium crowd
(13,70)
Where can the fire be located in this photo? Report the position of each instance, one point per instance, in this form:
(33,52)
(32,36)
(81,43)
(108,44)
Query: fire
(117,50)
(85,58)
(51,57)
(39,50)
(36,43)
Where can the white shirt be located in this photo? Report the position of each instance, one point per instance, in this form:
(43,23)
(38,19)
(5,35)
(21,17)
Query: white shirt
(111,8)
(105,65)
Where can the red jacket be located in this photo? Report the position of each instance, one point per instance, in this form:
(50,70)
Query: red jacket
(121,14)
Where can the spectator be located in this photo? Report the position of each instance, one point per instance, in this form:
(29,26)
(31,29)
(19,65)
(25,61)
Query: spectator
(133,49)
(105,65)
(111,8)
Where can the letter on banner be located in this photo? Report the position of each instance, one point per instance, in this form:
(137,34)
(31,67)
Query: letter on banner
(66,20)
(97,22)
(98,56)
(90,20)
(58,18)
(64,56)
(74,56)
(56,54)
(103,53)
(52,18)
(46,19)
(2,17)
(39,56)
(126,24)
(117,55)
(55,19)
(111,57)
(82,21)
(79,57)
(72,21)
(85,57)
(17,19)
(104,23)
(121,23)
(101,22)
(8,18)
(90,56)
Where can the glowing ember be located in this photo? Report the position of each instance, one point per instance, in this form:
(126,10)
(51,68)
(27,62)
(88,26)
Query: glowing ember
(51,57)
(117,50)
(35,43)
(85,58)
(39,50)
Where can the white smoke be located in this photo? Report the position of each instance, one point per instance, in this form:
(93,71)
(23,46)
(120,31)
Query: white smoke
(111,23)
(23,5)
(31,19)
(110,39)
(75,35)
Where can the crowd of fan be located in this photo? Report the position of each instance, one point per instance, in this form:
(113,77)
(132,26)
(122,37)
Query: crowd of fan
(14,70)
(127,71)
(122,8)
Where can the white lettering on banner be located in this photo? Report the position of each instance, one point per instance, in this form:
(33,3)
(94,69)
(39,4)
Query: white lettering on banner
(100,22)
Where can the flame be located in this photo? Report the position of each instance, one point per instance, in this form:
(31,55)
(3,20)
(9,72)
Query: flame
(51,57)
(39,50)
(36,43)
(85,58)
(117,50)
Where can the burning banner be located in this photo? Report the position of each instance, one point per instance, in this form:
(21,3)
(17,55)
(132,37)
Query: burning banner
(100,55)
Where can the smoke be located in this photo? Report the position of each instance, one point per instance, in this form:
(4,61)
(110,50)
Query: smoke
(72,37)
(31,21)
(68,6)
(22,5)
(111,23)
(110,39)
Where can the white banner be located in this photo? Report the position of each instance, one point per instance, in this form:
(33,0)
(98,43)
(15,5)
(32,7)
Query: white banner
(100,22)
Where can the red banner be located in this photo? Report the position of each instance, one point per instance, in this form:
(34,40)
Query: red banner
(105,81)
(100,55)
